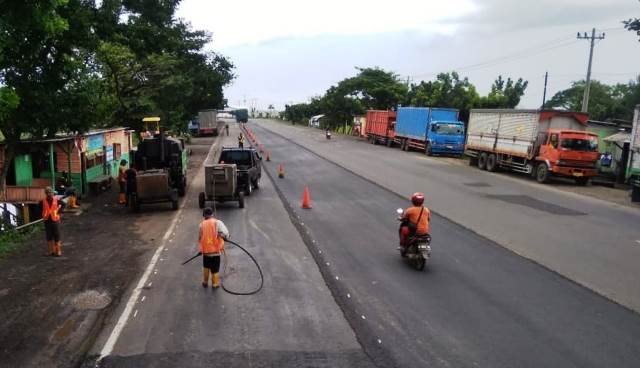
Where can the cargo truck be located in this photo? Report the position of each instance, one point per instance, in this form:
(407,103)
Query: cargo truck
(208,122)
(380,127)
(542,143)
(242,115)
(430,130)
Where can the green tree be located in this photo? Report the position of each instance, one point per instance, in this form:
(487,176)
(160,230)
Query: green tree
(504,94)
(447,90)
(633,25)
(606,102)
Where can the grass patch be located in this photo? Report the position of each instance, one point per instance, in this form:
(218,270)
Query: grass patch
(11,240)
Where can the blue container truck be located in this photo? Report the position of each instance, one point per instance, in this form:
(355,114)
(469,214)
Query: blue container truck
(431,130)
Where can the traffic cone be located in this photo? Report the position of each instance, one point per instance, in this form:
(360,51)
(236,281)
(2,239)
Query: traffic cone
(280,171)
(306,198)
(268,156)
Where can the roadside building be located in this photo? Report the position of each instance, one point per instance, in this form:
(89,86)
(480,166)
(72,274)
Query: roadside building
(613,145)
(316,121)
(87,159)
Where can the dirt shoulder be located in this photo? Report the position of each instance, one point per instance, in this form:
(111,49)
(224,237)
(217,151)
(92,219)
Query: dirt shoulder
(52,308)
(619,195)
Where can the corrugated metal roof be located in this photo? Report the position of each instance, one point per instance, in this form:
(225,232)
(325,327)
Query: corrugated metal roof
(621,137)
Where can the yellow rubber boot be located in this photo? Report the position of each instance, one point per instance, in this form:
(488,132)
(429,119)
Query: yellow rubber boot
(58,249)
(205,277)
(72,201)
(50,248)
(216,280)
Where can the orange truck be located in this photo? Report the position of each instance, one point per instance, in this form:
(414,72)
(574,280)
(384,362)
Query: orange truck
(542,143)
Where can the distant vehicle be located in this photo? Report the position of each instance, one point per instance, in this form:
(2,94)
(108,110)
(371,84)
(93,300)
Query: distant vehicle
(242,115)
(220,185)
(208,122)
(194,126)
(430,130)
(249,166)
(380,127)
(315,121)
(537,142)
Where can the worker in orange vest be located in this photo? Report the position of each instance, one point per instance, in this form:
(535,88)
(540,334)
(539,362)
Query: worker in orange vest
(122,182)
(51,218)
(241,140)
(213,232)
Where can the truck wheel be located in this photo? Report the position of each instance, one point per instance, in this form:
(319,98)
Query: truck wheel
(249,189)
(256,184)
(428,150)
(482,161)
(582,181)
(492,165)
(542,173)
(241,199)
(201,200)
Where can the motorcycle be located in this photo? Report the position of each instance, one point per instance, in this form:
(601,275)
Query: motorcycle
(418,251)
(328,134)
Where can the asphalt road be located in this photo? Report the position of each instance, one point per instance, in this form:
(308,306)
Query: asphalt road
(477,304)
(292,322)
(592,242)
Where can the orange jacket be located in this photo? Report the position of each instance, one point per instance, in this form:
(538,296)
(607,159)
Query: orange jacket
(412,214)
(50,211)
(210,242)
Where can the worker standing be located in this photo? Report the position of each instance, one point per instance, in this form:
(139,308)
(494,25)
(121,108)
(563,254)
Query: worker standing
(241,140)
(122,182)
(51,219)
(226,128)
(213,232)
(130,178)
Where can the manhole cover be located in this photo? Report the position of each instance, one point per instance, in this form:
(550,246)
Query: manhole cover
(91,299)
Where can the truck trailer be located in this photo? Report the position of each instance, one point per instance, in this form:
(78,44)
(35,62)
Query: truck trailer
(430,130)
(380,127)
(208,122)
(541,143)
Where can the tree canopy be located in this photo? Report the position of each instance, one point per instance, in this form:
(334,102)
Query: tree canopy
(69,65)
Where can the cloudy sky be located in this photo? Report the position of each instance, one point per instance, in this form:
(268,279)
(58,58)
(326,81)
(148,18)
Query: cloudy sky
(290,50)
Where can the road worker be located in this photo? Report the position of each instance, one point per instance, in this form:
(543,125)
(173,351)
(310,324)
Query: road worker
(415,220)
(122,182)
(241,140)
(226,128)
(212,234)
(51,219)
(130,178)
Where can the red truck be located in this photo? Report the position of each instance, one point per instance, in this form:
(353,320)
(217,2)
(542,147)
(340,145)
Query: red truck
(537,142)
(380,127)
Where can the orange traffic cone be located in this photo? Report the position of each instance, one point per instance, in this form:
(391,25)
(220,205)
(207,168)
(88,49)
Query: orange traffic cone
(268,156)
(280,171)
(306,198)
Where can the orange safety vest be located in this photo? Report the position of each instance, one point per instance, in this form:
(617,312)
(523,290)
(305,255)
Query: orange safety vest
(122,176)
(241,138)
(210,242)
(50,211)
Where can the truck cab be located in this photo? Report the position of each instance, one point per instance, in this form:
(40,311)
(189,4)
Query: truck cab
(569,153)
(445,137)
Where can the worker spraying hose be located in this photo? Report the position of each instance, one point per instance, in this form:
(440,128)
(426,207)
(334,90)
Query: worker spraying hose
(213,235)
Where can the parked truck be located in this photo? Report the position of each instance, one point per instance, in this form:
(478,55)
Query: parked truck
(242,115)
(380,127)
(541,143)
(430,130)
(208,122)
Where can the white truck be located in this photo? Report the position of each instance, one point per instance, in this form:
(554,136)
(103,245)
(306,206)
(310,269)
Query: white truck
(208,122)
(537,142)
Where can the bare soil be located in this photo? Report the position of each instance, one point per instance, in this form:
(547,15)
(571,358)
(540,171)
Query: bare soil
(53,308)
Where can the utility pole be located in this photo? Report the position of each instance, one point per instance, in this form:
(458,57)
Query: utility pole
(544,94)
(587,87)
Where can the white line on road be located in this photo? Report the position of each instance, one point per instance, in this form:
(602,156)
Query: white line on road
(143,298)
(638,241)
(135,313)
(124,317)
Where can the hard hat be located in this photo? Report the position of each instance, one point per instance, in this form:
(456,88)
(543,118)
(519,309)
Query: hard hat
(417,199)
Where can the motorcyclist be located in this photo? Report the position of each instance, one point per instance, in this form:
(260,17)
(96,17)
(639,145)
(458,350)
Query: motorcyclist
(414,221)
(327,133)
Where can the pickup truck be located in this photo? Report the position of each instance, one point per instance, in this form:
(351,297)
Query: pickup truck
(249,164)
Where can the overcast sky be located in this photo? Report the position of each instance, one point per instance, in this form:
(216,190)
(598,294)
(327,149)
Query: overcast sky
(290,50)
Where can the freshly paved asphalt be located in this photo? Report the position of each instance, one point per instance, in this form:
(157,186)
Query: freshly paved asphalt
(292,322)
(592,242)
(477,304)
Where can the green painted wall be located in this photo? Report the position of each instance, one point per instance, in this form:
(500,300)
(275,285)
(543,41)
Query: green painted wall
(24,170)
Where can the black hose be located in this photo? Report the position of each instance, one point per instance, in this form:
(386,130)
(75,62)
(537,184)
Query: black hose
(259,270)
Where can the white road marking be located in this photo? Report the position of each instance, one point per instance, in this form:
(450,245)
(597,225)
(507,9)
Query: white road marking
(328,263)
(363,317)
(135,313)
(348,295)
(379,341)
(638,241)
(124,317)
(150,284)
(337,278)
(143,298)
